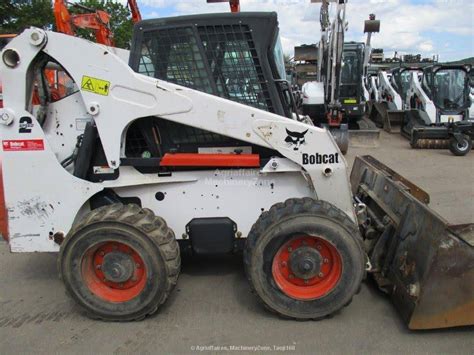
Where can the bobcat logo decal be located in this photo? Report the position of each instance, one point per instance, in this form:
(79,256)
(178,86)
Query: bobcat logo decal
(295,139)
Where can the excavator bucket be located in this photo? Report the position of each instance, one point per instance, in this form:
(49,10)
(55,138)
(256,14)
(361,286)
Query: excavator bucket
(341,136)
(372,25)
(425,264)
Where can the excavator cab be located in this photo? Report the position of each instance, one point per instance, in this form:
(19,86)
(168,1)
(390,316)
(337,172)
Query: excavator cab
(351,92)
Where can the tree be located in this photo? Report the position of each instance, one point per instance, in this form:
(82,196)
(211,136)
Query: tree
(120,20)
(17,15)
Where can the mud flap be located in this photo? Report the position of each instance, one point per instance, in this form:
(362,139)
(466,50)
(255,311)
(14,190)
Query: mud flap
(425,264)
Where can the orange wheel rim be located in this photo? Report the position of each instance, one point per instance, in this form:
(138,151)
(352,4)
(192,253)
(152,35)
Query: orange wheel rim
(307,268)
(114,272)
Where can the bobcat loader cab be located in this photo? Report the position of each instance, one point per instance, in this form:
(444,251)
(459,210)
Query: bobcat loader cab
(237,56)
(400,81)
(448,89)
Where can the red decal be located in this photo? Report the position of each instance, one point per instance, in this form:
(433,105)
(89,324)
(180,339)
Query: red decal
(214,160)
(22,145)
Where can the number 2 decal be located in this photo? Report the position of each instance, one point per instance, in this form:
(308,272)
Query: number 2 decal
(26,124)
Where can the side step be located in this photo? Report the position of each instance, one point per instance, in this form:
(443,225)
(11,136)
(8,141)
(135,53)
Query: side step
(423,262)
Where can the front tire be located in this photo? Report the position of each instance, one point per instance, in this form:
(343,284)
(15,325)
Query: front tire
(119,263)
(460,149)
(303,259)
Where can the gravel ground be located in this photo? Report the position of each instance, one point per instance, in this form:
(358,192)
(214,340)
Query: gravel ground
(212,306)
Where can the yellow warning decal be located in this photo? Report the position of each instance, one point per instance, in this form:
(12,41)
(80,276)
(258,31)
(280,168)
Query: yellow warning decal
(350,101)
(97,86)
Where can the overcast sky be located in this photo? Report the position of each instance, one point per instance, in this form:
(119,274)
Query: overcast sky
(444,27)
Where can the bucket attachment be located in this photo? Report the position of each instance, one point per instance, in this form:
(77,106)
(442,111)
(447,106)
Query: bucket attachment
(424,263)
(384,117)
(422,135)
(371,25)
(341,135)
(366,136)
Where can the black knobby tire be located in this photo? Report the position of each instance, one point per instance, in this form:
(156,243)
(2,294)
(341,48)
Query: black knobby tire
(460,149)
(279,225)
(145,236)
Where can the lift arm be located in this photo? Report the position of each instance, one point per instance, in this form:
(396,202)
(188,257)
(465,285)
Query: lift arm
(387,93)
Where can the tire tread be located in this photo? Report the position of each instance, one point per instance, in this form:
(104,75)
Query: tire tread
(285,209)
(153,226)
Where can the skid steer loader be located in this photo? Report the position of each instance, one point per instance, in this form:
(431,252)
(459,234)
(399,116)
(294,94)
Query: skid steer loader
(388,108)
(216,177)
(438,114)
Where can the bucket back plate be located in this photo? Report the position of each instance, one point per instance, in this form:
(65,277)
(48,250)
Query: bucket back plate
(425,264)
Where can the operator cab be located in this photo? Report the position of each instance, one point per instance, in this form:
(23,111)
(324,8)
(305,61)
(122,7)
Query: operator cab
(401,77)
(235,56)
(351,93)
(448,88)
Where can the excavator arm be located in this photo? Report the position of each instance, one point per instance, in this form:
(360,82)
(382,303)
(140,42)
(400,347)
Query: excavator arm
(97,21)
(135,11)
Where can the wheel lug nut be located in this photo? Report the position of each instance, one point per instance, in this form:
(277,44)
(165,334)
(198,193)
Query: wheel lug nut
(291,276)
(102,253)
(326,261)
(283,264)
(318,246)
(290,249)
(98,267)
(306,281)
(320,274)
(138,266)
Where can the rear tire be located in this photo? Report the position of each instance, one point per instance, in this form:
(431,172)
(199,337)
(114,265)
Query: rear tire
(304,259)
(460,149)
(119,263)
